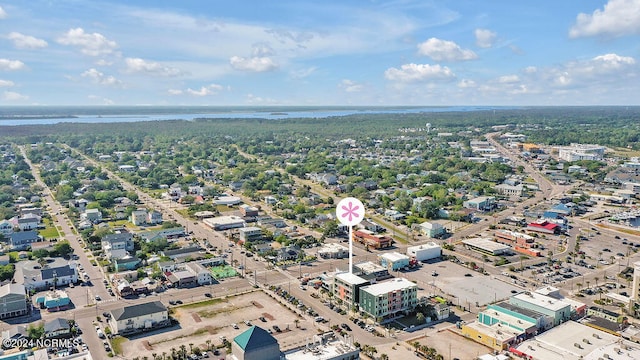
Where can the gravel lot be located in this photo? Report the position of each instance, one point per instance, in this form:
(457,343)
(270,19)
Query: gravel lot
(214,319)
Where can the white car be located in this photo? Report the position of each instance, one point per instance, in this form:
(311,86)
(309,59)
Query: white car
(235,326)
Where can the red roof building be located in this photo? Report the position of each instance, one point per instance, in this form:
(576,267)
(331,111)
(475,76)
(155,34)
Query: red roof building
(544,227)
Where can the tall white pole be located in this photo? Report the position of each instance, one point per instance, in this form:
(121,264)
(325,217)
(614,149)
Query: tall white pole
(350,249)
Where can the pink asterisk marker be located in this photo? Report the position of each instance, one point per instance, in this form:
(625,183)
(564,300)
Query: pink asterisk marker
(350,211)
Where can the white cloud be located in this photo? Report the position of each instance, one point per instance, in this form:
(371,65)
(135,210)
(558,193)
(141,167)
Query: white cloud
(485,38)
(302,73)
(508,79)
(254,64)
(3,14)
(444,50)
(618,18)
(94,44)
(22,41)
(100,99)
(175,92)
(6,64)
(260,50)
(137,65)
(467,83)
(103,62)
(252,99)
(418,72)
(6,83)
(530,69)
(13,96)
(100,78)
(205,90)
(350,86)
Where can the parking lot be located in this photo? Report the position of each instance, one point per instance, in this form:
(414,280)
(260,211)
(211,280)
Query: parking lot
(219,319)
(464,286)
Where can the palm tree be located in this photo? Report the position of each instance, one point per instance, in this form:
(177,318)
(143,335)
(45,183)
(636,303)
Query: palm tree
(164,355)
(297,322)
(596,280)
(384,357)
(420,317)
(183,351)
(173,353)
(190,347)
(588,282)
(208,342)
(155,356)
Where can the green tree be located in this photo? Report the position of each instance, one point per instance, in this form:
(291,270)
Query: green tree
(63,248)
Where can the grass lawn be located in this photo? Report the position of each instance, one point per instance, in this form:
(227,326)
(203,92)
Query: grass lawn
(49,232)
(225,208)
(116,343)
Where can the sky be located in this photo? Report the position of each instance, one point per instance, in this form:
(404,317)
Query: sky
(314,53)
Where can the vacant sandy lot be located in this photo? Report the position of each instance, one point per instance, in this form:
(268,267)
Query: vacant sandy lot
(213,319)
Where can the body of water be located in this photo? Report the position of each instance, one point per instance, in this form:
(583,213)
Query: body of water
(11,116)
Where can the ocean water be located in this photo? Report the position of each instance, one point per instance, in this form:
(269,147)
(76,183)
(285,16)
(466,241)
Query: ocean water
(34,115)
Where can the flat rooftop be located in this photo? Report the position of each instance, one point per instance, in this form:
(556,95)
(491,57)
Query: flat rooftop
(543,301)
(573,341)
(389,286)
(486,243)
(394,256)
(526,312)
(501,333)
(350,278)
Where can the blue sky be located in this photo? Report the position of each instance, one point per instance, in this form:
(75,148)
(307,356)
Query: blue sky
(330,52)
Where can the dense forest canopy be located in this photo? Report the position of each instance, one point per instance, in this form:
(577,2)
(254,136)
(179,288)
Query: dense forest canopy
(611,126)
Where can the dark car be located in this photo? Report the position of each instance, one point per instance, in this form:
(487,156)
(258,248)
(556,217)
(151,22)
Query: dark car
(277,328)
(468,275)
(345,326)
(262,319)
(208,295)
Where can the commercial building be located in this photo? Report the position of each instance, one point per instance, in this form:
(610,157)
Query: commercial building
(371,271)
(575,341)
(346,286)
(250,234)
(497,337)
(577,152)
(432,229)
(386,300)
(541,321)
(425,252)
(333,251)
(486,246)
(544,227)
(225,222)
(482,203)
(255,344)
(394,261)
(140,317)
(558,310)
(372,240)
(13,301)
(514,238)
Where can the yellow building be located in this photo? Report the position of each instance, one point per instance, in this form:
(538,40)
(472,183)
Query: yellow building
(497,337)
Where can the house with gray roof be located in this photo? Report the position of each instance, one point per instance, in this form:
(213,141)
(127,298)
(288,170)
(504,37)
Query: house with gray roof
(139,318)
(21,240)
(37,277)
(57,328)
(13,301)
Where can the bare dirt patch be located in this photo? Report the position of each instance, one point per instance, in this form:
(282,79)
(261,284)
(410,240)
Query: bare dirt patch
(268,316)
(196,317)
(257,304)
(147,345)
